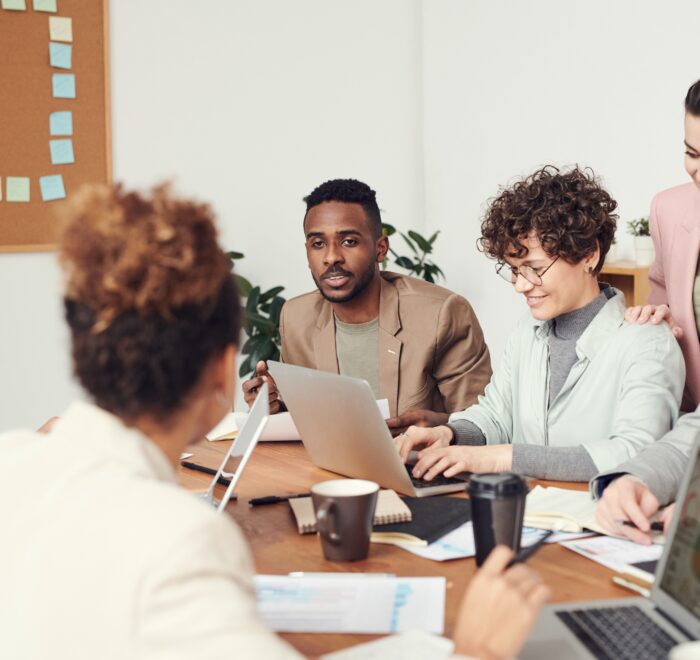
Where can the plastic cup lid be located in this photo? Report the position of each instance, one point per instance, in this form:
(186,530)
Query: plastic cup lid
(500,484)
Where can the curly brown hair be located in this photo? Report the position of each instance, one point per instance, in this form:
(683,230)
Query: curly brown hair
(148,296)
(569,212)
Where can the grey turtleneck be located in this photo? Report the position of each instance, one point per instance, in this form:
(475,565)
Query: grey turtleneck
(541,462)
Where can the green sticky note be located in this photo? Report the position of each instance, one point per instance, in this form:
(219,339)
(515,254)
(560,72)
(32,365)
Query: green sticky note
(45,5)
(16,5)
(17,188)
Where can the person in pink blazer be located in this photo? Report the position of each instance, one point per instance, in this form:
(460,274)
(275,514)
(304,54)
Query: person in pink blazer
(674,276)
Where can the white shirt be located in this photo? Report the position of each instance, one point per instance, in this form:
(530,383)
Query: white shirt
(104,556)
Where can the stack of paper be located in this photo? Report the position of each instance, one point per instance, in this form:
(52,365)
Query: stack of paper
(618,554)
(351,603)
(561,509)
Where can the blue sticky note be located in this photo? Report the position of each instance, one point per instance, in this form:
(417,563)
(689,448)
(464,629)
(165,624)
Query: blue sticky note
(63,85)
(61,123)
(60,55)
(61,152)
(52,187)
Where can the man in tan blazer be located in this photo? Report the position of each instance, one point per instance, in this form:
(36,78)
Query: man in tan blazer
(418,345)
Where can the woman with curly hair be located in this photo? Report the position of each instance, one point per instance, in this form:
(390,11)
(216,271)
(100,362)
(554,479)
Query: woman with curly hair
(578,390)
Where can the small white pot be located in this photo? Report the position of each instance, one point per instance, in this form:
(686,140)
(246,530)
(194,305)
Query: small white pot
(643,250)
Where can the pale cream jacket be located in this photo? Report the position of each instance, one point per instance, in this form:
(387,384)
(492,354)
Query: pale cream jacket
(104,556)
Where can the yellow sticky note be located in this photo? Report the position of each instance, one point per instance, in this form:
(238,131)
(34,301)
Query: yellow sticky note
(60,28)
(16,5)
(45,5)
(17,188)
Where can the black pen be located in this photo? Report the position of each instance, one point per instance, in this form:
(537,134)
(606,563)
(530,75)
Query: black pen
(655,526)
(526,553)
(273,499)
(200,468)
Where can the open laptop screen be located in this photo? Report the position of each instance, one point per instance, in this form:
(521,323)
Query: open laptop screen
(680,579)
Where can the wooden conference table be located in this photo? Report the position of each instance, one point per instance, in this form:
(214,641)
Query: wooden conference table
(279,468)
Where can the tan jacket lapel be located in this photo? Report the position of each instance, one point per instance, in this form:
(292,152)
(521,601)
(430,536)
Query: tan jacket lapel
(389,345)
(324,341)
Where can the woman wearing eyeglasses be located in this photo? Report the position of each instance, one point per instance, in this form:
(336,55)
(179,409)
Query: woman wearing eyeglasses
(578,390)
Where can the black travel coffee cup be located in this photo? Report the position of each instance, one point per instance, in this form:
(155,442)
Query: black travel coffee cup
(498,507)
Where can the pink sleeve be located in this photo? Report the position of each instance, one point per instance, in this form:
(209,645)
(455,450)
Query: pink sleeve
(657,282)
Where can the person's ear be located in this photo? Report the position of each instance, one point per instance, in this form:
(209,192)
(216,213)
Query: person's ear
(382,248)
(591,261)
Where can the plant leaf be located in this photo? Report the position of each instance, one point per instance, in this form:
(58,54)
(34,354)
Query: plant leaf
(420,241)
(251,304)
(271,293)
(244,286)
(235,255)
(276,310)
(387,229)
(406,263)
(245,368)
(410,244)
(431,240)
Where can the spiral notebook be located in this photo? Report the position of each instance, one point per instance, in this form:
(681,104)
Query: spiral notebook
(390,509)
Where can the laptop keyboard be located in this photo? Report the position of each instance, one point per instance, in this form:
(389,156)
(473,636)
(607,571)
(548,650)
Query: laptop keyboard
(619,633)
(439,480)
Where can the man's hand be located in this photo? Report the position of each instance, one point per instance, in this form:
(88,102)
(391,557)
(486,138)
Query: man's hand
(653,314)
(416,436)
(499,608)
(453,460)
(627,498)
(251,387)
(400,424)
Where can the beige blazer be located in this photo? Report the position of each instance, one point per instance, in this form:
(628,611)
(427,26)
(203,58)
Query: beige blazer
(432,353)
(675,229)
(104,556)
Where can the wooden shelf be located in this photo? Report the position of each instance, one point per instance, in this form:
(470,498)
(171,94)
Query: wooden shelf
(631,278)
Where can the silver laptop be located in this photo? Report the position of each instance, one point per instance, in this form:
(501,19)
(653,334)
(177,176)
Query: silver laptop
(343,430)
(241,449)
(636,627)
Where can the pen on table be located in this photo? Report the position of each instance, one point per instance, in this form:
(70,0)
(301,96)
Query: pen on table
(656,526)
(273,499)
(526,553)
(201,468)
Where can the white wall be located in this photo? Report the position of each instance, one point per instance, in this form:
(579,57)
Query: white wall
(252,103)
(249,104)
(510,86)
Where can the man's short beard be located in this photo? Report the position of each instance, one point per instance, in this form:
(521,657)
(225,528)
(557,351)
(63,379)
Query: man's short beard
(361,285)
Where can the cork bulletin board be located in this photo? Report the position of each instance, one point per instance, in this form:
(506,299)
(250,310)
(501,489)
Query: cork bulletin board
(54,113)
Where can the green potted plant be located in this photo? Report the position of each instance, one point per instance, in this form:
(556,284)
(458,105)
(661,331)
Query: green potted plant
(261,321)
(416,264)
(643,245)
